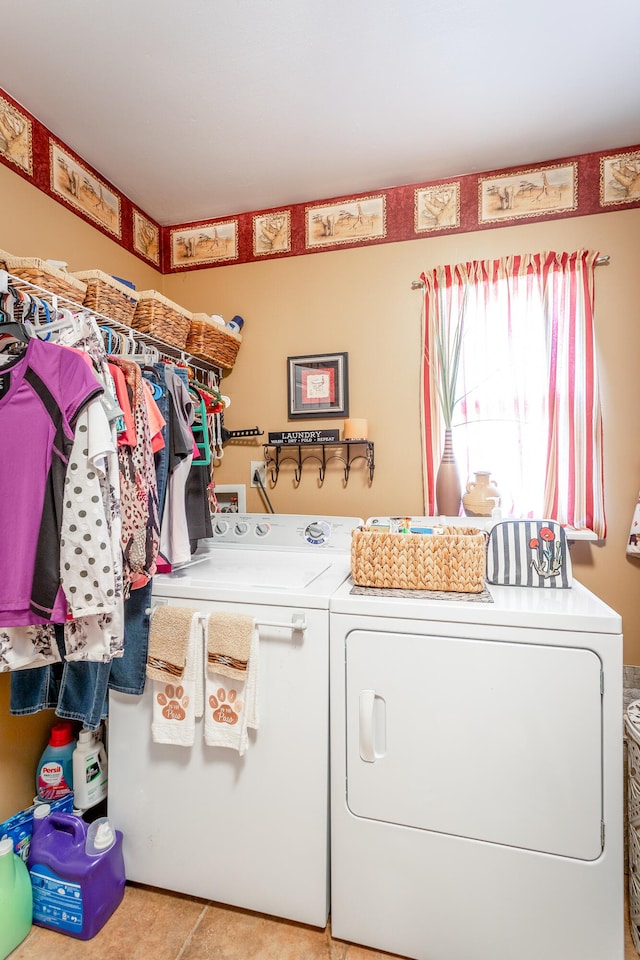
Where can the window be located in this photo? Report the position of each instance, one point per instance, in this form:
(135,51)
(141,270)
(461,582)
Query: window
(527,403)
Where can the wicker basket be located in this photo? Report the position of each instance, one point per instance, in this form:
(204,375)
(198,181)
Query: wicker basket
(43,275)
(108,296)
(212,342)
(454,560)
(160,317)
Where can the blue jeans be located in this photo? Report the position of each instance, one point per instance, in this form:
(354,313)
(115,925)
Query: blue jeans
(76,691)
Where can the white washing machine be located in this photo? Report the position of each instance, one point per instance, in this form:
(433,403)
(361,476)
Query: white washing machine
(477,785)
(250,831)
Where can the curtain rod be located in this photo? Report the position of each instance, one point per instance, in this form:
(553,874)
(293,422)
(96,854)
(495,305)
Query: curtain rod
(600,262)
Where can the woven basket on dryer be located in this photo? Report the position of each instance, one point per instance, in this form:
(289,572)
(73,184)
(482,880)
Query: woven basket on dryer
(161,318)
(213,342)
(43,275)
(453,561)
(108,296)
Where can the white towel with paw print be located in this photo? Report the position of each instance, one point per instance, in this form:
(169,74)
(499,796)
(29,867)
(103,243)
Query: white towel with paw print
(177,702)
(231,704)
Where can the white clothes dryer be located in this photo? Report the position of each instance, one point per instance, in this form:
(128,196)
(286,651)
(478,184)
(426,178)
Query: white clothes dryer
(476,758)
(250,831)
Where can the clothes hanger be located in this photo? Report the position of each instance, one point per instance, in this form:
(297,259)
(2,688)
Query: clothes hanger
(8,303)
(22,330)
(11,349)
(146,355)
(65,320)
(19,331)
(109,340)
(200,430)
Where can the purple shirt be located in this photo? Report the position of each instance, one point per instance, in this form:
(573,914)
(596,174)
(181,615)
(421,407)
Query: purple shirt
(41,395)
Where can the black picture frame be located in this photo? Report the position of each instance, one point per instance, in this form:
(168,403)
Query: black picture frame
(318,386)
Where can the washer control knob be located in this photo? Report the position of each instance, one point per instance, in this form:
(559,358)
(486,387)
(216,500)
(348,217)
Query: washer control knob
(220,528)
(317,532)
(241,528)
(263,529)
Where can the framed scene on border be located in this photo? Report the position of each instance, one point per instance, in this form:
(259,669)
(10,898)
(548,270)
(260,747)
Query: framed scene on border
(318,386)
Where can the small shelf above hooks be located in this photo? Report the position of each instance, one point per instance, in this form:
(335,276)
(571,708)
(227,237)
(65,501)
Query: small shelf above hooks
(276,455)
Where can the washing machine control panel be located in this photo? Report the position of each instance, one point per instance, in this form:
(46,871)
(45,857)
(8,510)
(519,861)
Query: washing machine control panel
(284,531)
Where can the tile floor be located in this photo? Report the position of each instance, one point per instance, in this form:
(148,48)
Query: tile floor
(152,923)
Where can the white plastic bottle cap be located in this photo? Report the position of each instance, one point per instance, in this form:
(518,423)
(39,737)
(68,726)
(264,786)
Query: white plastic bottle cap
(85,736)
(6,846)
(100,836)
(41,811)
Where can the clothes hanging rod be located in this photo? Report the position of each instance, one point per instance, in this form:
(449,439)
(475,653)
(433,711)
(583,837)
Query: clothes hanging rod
(600,262)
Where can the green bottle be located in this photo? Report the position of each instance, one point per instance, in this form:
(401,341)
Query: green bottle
(16,902)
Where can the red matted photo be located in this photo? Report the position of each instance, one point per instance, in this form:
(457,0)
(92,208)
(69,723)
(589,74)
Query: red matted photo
(318,386)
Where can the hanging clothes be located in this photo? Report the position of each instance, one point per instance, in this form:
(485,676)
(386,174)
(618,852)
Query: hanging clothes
(41,395)
(90,552)
(175,545)
(95,438)
(138,491)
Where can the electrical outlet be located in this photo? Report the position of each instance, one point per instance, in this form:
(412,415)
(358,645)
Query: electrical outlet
(261,467)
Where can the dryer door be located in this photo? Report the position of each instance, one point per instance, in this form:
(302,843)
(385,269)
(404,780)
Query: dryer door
(490,740)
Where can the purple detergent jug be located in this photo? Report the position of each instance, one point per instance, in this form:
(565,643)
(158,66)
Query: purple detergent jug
(77,872)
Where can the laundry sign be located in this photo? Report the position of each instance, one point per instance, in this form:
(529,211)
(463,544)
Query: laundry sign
(304,436)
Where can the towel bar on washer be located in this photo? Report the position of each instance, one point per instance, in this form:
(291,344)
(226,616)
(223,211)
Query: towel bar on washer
(298,621)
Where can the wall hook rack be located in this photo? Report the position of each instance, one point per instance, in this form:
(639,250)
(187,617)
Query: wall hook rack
(276,455)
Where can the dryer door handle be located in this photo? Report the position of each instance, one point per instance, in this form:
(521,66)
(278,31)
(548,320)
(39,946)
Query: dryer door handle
(367,704)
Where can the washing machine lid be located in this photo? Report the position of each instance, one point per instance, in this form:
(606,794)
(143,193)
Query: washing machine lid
(258,576)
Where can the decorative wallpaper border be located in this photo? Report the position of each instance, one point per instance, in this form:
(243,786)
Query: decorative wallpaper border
(16,136)
(74,184)
(205,245)
(564,187)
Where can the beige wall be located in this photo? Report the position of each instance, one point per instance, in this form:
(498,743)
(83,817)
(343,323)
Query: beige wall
(360,301)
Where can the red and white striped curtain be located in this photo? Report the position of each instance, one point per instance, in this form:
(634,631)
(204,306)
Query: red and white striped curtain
(528,404)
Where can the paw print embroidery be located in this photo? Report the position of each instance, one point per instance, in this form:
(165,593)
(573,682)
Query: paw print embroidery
(224,712)
(174,702)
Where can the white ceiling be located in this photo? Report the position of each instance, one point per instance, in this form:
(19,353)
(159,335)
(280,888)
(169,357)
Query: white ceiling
(197,109)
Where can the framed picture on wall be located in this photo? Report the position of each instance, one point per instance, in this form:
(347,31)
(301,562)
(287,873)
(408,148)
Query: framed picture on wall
(318,386)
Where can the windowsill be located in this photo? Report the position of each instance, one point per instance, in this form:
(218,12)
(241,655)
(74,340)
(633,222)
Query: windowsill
(485,523)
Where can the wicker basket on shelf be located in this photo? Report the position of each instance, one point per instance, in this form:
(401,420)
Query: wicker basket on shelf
(161,318)
(45,276)
(108,296)
(213,342)
(453,561)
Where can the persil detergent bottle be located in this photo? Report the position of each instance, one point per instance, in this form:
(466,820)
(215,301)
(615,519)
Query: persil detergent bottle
(77,872)
(15,899)
(54,777)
